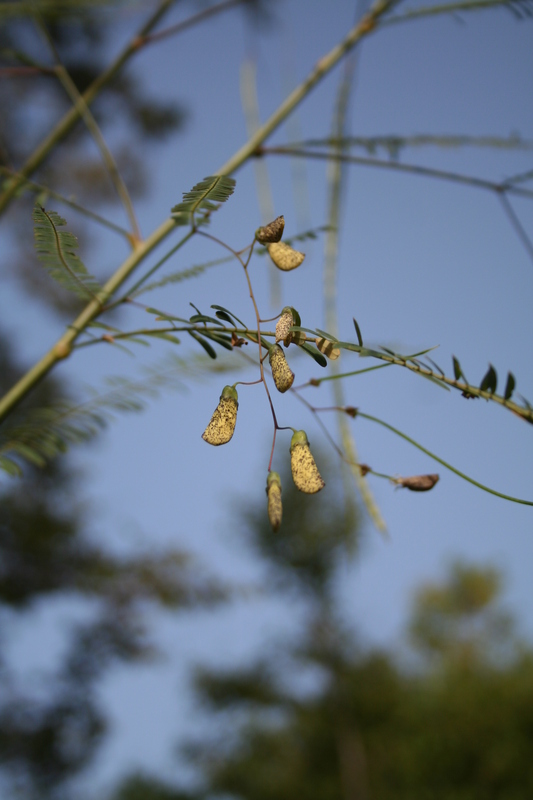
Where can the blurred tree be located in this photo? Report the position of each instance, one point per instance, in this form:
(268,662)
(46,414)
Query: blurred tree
(459,725)
(46,555)
(34,98)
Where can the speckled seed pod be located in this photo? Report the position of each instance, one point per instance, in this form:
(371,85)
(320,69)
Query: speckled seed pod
(222,424)
(284,257)
(286,321)
(274,500)
(305,472)
(271,232)
(418,483)
(281,372)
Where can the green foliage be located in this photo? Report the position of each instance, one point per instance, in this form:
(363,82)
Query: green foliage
(56,251)
(459,725)
(203,197)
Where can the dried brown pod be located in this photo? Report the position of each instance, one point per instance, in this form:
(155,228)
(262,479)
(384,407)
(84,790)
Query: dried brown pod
(281,372)
(222,424)
(418,483)
(304,470)
(272,232)
(275,510)
(283,325)
(328,348)
(284,256)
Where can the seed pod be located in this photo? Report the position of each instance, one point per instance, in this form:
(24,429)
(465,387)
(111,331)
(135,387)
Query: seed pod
(286,321)
(273,490)
(222,424)
(418,483)
(281,372)
(284,257)
(328,348)
(271,232)
(305,472)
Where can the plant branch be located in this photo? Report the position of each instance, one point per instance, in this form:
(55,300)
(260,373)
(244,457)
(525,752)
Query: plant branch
(441,461)
(63,347)
(40,187)
(414,169)
(517,225)
(447,8)
(364,27)
(92,126)
(172,30)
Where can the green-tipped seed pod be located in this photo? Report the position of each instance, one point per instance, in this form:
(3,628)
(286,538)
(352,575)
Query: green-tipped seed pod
(286,321)
(281,372)
(222,424)
(305,472)
(274,500)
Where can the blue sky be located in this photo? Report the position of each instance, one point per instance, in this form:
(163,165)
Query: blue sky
(422,263)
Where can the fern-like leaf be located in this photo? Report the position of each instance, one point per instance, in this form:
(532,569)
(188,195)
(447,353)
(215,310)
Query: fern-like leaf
(182,275)
(56,251)
(204,196)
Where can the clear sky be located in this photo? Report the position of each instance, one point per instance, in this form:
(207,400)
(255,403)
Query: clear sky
(422,262)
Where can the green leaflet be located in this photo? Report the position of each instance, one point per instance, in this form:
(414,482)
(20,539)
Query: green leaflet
(203,197)
(56,251)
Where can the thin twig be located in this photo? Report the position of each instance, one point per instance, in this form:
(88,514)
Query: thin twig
(172,30)
(92,126)
(517,225)
(40,187)
(468,180)
(441,461)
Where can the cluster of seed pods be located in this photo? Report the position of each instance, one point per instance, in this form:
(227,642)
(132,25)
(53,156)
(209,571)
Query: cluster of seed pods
(221,427)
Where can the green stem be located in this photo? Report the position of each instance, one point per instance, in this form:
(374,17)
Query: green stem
(441,461)
(318,381)
(63,346)
(40,187)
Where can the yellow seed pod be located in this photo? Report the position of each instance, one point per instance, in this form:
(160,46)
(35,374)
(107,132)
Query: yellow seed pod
(281,372)
(271,232)
(299,337)
(273,490)
(284,257)
(328,348)
(222,424)
(286,321)
(305,472)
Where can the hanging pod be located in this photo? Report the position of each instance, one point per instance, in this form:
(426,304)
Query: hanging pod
(222,424)
(418,483)
(271,232)
(283,326)
(284,256)
(281,372)
(273,490)
(305,472)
